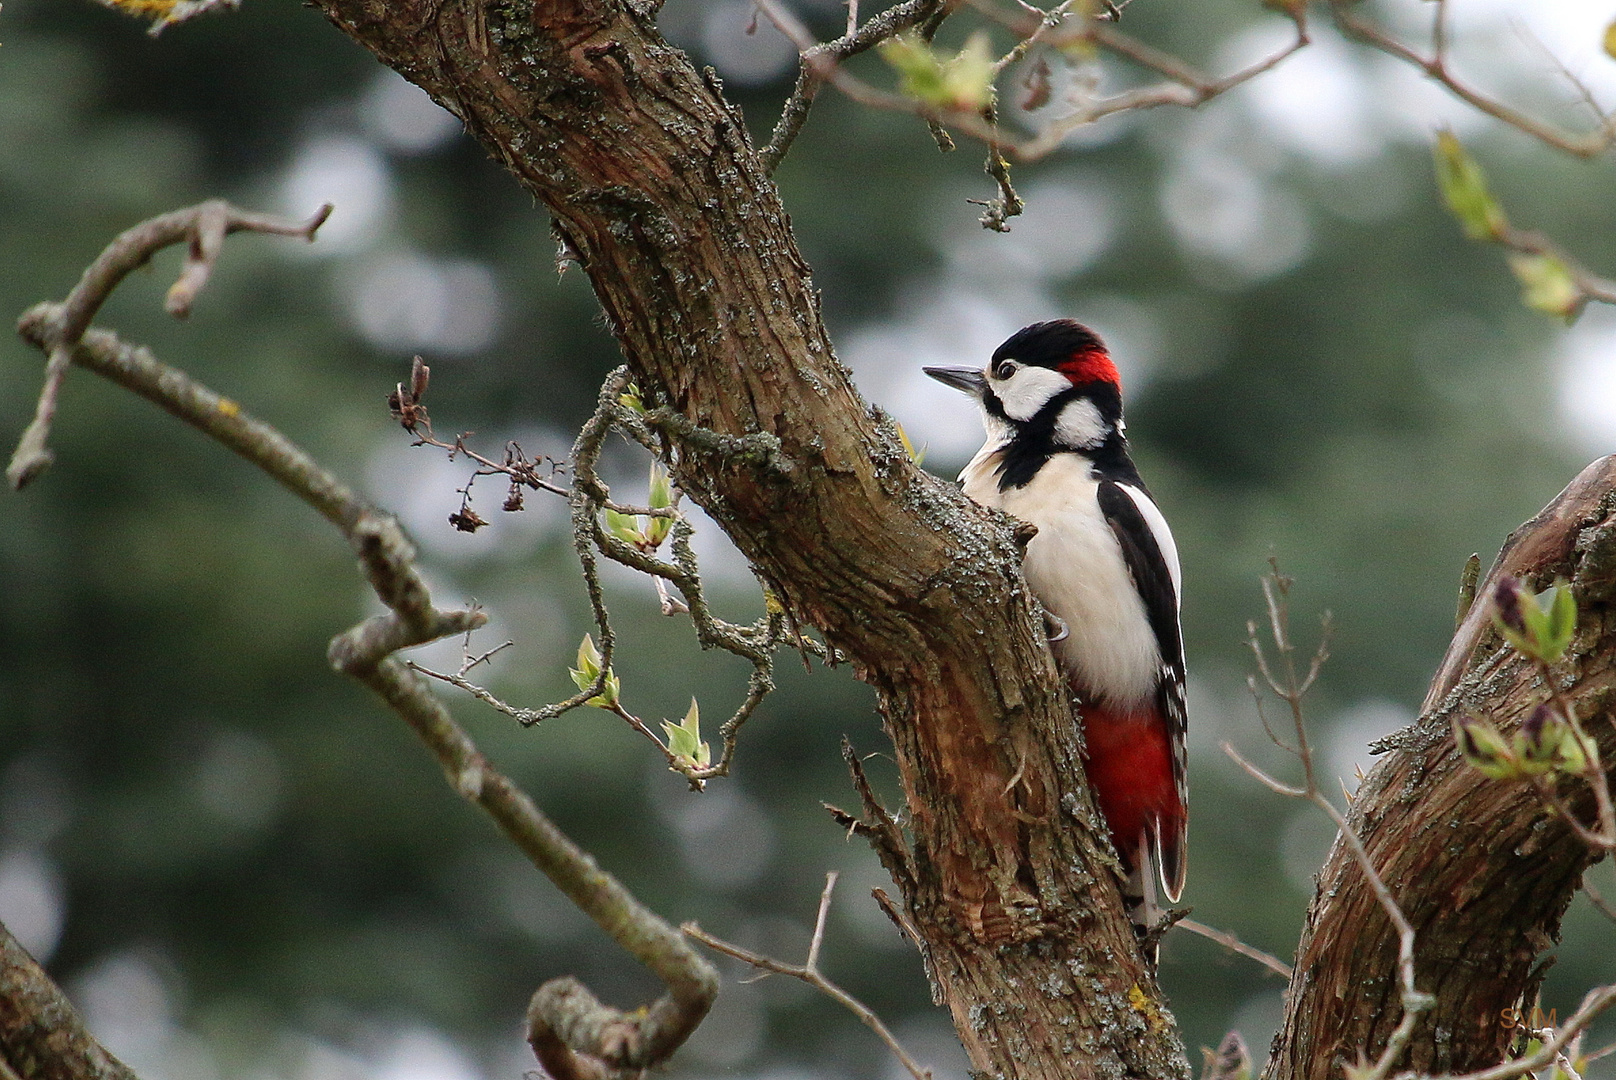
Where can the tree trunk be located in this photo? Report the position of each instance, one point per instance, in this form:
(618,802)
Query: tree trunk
(656,191)
(654,187)
(1481,868)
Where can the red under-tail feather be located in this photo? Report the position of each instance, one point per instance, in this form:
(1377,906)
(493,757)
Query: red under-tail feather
(1130,769)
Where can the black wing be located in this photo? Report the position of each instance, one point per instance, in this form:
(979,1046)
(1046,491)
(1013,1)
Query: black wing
(1151,577)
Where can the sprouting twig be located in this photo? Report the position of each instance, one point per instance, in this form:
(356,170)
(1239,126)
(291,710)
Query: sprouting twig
(816,58)
(822,63)
(809,973)
(588,497)
(1235,945)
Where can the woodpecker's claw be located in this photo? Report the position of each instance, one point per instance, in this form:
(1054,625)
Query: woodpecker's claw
(1055,627)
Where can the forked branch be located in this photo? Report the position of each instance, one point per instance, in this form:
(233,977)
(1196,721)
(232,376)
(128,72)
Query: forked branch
(571,1032)
(808,971)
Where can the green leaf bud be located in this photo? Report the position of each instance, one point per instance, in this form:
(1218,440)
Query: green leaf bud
(1464,189)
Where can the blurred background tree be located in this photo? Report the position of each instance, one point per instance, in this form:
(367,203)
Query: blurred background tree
(241,866)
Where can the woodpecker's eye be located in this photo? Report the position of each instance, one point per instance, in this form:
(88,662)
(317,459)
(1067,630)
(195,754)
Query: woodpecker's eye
(1005,369)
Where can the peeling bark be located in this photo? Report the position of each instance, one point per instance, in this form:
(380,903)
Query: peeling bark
(651,181)
(1482,869)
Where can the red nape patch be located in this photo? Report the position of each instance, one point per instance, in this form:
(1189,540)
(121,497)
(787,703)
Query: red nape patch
(1130,768)
(1091,365)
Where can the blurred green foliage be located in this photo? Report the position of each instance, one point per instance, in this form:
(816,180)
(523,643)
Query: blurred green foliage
(257,847)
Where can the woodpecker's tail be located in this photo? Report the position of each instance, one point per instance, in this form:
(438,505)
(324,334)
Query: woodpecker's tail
(1131,769)
(1139,891)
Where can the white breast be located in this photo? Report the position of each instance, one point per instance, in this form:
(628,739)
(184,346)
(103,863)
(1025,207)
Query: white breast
(1076,570)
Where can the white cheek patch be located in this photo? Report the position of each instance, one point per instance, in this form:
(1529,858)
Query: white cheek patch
(1080,425)
(1029,390)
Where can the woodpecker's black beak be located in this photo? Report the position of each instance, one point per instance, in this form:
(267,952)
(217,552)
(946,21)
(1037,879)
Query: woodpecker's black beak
(967,379)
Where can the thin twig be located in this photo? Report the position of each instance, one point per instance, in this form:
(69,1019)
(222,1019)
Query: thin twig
(812,962)
(822,63)
(1290,687)
(203,227)
(1586,145)
(1598,899)
(809,973)
(816,57)
(1235,945)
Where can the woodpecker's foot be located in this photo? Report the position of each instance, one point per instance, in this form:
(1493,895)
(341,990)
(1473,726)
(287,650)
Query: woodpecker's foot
(1150,936)
(1055,627)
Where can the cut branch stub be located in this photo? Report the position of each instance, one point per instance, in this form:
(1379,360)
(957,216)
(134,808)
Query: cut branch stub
(1483,869)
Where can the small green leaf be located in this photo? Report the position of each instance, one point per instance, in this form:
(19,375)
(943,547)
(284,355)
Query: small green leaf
(920,72)
(1562,622)
(588,658)
(587,672)
(1540,734)
(962,82)
(684,738)
(661,487)
(631,400)
(1541,626)
(969,76)
(1537,626)
(1572,756)
(609,694)
(656,529)
(626,527)
(1464,189)
(1547,285)
(1484,749)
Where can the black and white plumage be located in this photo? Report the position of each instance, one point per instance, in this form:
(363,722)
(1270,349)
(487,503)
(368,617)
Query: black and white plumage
(1104,564)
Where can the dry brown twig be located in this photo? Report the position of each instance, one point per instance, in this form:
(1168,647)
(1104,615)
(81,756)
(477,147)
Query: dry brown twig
(808,971)
(574,1035)
(1436,65)
(1235,945)
(1291,688)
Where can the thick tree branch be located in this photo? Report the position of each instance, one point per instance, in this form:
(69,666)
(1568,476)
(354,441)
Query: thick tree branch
(1483,870)
(654,186)
(42,1037)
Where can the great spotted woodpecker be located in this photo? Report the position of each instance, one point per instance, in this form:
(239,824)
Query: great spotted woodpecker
(1104,565)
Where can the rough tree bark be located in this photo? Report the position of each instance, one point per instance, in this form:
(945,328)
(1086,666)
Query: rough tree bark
(1483,870)
(658,195)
